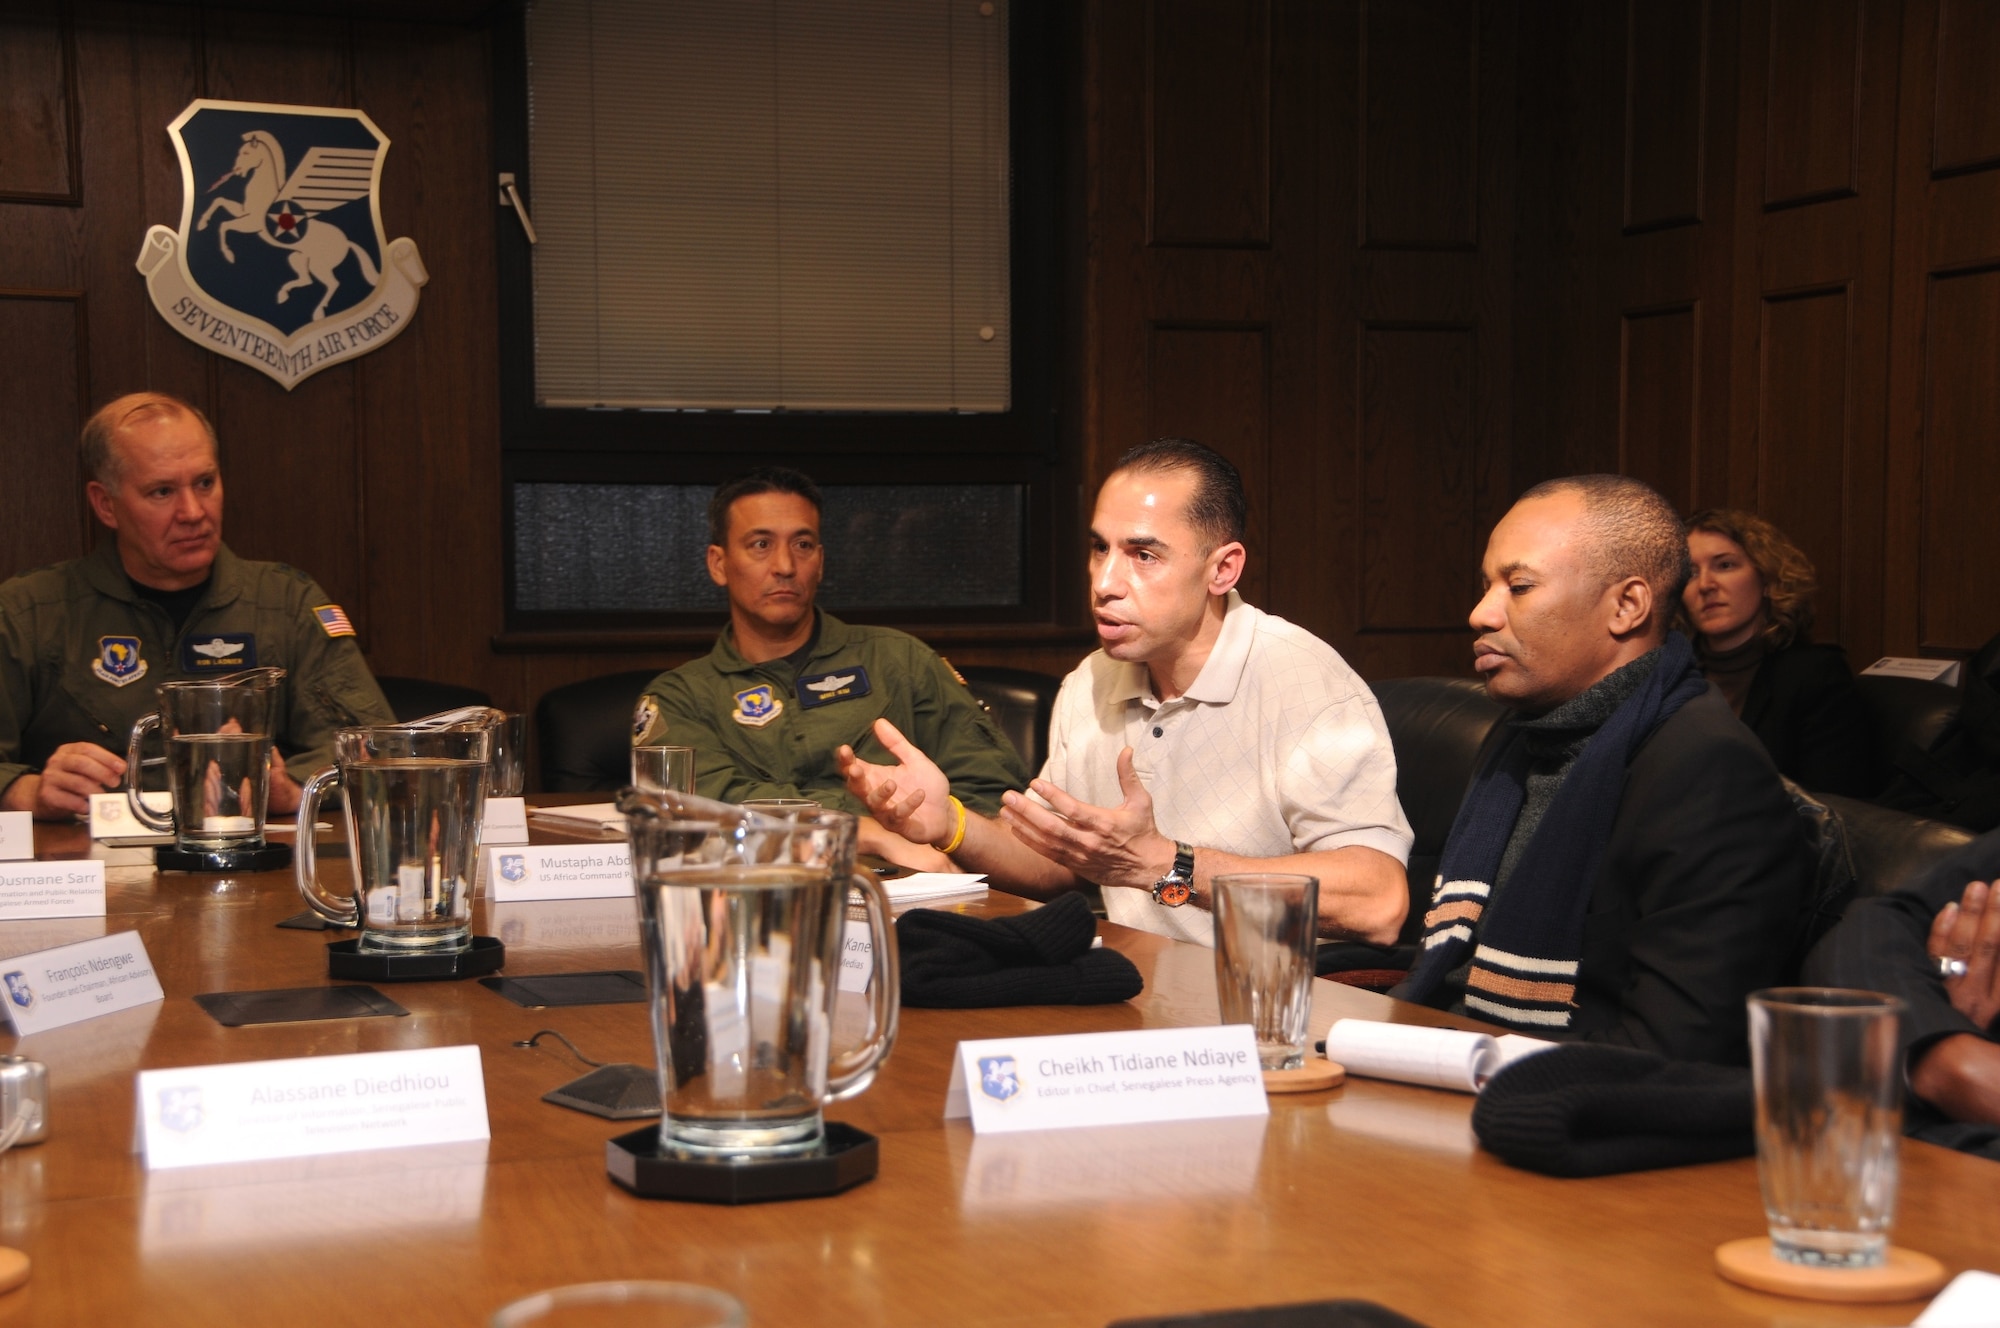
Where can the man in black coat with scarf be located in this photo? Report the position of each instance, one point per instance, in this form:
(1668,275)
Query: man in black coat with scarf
(1626,866)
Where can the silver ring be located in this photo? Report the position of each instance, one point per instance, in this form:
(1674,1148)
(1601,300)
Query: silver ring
(1949,968)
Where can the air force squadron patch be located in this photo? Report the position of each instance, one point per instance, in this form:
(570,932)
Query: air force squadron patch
(280,260)
(757,706)
(118,661)
(840,685)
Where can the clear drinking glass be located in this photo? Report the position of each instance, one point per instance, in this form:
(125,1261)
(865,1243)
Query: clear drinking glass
(506,760)
(784,807)
(663,768)
(742,918)
(416,798)
(1829,1121)
(218,739)
(632,1304)
(1266,932)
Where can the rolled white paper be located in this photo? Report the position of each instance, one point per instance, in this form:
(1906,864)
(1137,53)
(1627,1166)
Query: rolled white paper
(1434,1057)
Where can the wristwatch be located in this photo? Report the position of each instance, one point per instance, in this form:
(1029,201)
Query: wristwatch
(1177,886)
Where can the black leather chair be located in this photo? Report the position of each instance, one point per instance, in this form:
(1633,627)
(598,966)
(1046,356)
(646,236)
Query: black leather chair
(1890,849)
(1437,726)
(1904,713)
(1021,702)
(413,698)
(585,732)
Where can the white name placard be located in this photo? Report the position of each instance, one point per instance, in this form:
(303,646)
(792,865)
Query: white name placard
(1148,1074)
(857,956)
(111,816)
(558,871)
(1945,671)
(202,1114)
(50,988)
(52,889)
(505,822)
(17,836)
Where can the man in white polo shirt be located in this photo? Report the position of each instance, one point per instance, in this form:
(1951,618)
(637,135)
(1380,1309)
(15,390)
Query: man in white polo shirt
(1205,737)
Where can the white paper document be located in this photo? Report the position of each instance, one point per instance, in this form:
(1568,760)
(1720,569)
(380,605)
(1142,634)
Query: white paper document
(919,887)
(1433,1057)
(585,818)
(1146,1074)
(201,1114)
(1972,1300)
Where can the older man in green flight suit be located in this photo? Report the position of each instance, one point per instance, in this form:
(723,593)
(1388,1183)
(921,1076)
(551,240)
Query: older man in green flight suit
(83,644)
(788,684)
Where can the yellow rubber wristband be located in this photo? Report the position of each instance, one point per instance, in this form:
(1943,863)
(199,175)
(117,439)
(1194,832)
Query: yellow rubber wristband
(958,835)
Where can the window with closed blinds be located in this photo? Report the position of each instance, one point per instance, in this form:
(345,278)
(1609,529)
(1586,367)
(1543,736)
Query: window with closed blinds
(770,204)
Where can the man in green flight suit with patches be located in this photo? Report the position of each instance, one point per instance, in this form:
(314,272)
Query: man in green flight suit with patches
(83,644)
(788,684)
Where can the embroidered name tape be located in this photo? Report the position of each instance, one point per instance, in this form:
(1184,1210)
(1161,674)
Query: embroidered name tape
(215,653)
(840,685)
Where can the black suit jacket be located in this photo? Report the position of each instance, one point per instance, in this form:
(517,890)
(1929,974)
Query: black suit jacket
(1803,706)
(1701,894)
(1881,945)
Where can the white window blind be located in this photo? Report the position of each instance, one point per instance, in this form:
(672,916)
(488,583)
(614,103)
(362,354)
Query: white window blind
(760,204)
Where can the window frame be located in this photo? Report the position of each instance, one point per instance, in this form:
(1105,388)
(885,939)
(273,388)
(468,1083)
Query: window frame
(1023,445)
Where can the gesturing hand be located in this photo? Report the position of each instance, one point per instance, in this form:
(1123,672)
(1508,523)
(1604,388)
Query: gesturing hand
(1969,930)
(910,797)
(72,773)
(1109,845)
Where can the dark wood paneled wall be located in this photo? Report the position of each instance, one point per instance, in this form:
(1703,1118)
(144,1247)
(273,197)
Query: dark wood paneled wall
(1397,258)
(380,476)
(1760,253)
(1301,250)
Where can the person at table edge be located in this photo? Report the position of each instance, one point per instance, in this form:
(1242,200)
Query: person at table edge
(1204,737)
(788,683)
(1951,1013)
(84,644)
(1626,866)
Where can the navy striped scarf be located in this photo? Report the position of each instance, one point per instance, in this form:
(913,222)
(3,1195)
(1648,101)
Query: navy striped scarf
(1525,954)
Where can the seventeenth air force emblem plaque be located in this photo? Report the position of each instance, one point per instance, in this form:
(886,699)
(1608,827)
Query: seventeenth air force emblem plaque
(281,261)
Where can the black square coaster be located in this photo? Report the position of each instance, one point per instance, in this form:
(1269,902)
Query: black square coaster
(619,986)
(296,1005)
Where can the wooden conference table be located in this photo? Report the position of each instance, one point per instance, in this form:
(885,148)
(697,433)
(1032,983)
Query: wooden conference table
(1374,1190)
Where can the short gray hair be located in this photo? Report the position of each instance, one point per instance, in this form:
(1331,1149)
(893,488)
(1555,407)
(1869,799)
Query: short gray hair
(102,461)
(1633,531)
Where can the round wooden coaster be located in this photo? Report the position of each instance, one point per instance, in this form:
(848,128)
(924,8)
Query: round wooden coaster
(1904,1275)
(13,1268)
(1308,1078)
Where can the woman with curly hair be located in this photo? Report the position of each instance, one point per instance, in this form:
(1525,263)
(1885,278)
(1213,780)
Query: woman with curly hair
(1749,606)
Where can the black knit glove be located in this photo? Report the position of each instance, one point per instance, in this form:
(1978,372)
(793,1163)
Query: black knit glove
(1041,957)
(1586,1110)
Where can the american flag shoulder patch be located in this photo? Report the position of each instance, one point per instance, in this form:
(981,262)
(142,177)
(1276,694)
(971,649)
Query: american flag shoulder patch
(334,620)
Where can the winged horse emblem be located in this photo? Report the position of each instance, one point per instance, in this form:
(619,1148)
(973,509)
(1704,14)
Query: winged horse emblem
(283,215)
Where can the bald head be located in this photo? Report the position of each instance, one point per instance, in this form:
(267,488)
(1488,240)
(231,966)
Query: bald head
(103,460)
(1627,528)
